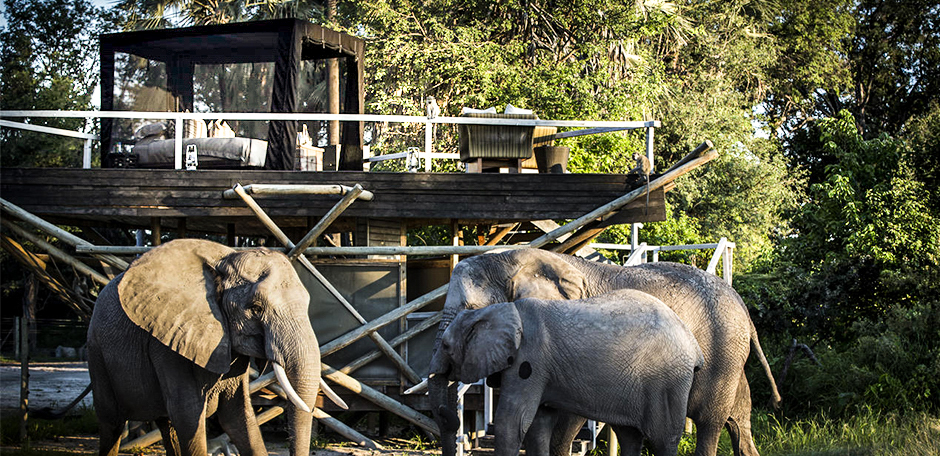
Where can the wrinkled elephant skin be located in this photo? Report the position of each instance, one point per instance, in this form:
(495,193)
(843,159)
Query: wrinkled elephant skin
(709,307)
(170,340)
(623,358)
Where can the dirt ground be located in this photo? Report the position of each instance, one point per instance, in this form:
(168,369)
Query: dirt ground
(55,385)
(82,445)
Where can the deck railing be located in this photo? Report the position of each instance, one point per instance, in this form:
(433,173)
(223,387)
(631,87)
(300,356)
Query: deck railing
(583,127)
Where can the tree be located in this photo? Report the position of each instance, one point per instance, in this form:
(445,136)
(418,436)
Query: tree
(863,236)
(49,61)
(878,59)
(153,14)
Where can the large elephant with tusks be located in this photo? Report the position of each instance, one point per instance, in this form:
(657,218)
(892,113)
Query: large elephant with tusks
(170,340)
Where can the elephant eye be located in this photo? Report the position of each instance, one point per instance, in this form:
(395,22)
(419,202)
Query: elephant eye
(255,310)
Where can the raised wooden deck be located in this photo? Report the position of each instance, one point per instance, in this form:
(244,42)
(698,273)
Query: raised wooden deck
(134,197)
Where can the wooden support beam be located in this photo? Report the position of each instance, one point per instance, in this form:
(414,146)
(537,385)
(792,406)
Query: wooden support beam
(363,331)
(296,189)
(377,398)
(53,230)
(422,250)
(56,253)
(696,158)
(402,338)
(325,222)
(38,266)
(282,237)
(156,235)
(502,233)
(181,231)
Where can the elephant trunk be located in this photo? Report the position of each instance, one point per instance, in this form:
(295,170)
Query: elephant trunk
(443,406)
(300,357)
(443,398)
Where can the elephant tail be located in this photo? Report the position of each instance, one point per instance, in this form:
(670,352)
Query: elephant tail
(47,413)
(755,346)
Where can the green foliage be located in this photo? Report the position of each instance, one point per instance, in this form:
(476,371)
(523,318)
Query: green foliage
(922,134)
(870,205)
(878,59)
(49,57)
(863,432)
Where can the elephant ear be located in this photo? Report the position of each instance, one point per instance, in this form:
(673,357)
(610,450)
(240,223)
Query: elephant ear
(171,293)
(491,338)
(548,280)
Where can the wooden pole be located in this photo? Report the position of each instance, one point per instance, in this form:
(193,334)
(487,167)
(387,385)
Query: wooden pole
(402,338)
(378,398)
(156,235)
(352,336)
(53,230)
(56,253)
(699,157)
(428,250)
(503,232)
(29,304)
(181,231)
(325,222)
(376,337)
(38,267)
(295,189)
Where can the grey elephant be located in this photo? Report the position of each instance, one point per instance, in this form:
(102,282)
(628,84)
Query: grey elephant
(709,307)
(623,358)
(170,339)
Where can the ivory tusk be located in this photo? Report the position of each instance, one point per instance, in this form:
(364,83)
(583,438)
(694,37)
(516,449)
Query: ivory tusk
(419,388)
(332,395)
(288,389)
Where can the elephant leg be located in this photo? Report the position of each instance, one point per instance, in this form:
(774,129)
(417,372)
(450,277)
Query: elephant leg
(109,438)
(171,442)
(110,421)
(238,419)
(631,440)
(539,435)
(706,438)
(191,432)
(514,416)
(566,428)
(185,395)
(739,424)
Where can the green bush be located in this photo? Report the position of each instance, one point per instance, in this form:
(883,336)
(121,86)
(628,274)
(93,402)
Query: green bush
(892,365)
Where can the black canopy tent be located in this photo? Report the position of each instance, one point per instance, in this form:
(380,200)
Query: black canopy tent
(286,42)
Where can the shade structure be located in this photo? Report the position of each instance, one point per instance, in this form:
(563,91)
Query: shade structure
(285,42)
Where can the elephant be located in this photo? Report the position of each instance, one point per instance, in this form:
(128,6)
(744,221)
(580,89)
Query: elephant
(170,340)
(711,309)
(623,358)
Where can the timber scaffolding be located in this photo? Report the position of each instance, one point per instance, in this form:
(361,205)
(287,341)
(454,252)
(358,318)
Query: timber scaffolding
(375,305)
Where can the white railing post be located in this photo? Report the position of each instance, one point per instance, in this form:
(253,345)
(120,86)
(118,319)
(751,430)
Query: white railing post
(487,407)
(86,154)
(461,437)
(178,143)
(428,138)
(636,256)
(649,147)
(727,263)
(635,235)
(719,249)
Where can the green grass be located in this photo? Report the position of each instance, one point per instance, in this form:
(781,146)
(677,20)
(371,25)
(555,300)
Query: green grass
(867,433)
